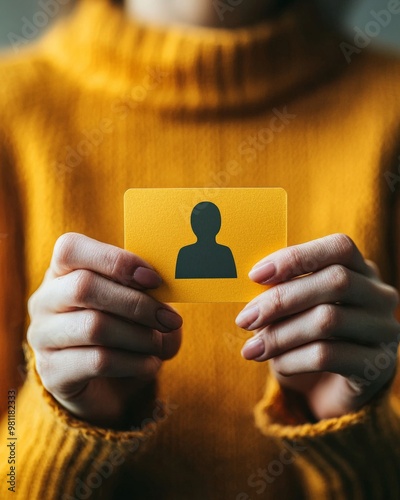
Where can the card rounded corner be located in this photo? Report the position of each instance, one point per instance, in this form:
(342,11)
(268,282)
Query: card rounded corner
(127,192)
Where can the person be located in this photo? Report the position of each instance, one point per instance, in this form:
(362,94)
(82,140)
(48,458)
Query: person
(198,94)
(206,258)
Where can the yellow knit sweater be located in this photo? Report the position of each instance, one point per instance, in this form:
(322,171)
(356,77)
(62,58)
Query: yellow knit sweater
(103,104)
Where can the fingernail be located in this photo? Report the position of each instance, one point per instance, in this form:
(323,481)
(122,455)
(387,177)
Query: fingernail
(147,278)
(253,348)
(263,273)
(248,316)
(169,319)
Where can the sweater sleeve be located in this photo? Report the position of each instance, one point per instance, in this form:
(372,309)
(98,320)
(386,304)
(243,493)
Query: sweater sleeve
(50,454)
(360,443)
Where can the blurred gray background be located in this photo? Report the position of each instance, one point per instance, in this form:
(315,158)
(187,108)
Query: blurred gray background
(348,13)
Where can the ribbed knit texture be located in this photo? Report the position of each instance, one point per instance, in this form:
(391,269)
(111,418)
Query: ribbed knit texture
(103,104)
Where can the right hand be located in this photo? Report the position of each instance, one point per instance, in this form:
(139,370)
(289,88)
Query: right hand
(98,338)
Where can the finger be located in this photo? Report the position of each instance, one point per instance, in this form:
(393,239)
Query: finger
(294,261)
(344,358)
(74,251)
(322,322)
(94,328)
(374,268)
(68,370)
(330,285)
(88,290)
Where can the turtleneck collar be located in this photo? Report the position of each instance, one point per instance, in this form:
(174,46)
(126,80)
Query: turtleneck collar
(194,68)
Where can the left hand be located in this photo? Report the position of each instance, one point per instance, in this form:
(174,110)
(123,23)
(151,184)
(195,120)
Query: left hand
(328,324)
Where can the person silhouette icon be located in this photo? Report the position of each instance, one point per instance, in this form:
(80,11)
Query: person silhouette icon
(206,258)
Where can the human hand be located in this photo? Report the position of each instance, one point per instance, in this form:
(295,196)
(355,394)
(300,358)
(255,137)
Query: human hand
(98,338)
(328,324)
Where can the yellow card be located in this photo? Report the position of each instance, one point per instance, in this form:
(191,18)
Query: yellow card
(204,241)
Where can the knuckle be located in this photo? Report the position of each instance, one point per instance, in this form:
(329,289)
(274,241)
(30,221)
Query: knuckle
(276,300)
(43,365)
(30,336)
(373,266)
(327,319)
(273,343)
(345,245)
(281,367)
(113,261)
(322,356)
(31,305)
(63,248)
(100,361)
(82,286)
(151,366)
(340,278)
(137,304)
(92,328)
(393,296)
(295,258)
